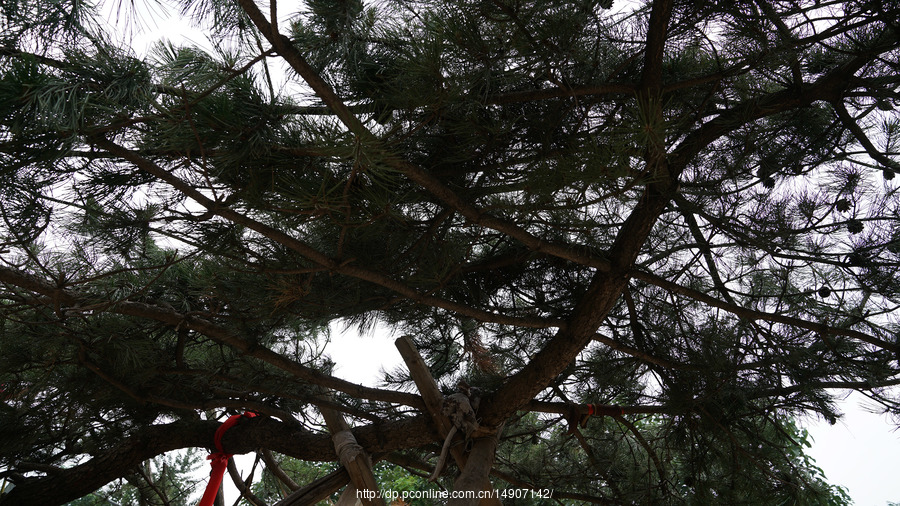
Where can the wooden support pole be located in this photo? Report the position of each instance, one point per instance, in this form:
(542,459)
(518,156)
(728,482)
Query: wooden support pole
(318,490)
(429,391)
(349,497)
(434,400)
(353,458)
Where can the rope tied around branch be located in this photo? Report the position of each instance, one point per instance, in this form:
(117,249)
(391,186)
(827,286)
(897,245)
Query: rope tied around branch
(346,447)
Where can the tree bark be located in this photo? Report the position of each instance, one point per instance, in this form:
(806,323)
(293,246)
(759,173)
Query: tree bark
(475,476)
(70,484)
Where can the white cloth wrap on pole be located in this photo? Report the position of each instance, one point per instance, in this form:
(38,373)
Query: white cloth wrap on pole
(346,447)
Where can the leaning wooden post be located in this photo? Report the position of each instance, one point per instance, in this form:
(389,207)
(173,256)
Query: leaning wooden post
(318,490)
(349,497)
(429,391)
(434,402)
(354,459)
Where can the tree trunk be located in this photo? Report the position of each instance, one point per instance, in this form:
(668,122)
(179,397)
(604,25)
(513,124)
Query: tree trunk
(474,480)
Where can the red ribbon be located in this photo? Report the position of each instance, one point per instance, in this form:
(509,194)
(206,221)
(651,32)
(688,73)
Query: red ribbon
(604,410)
(219,460)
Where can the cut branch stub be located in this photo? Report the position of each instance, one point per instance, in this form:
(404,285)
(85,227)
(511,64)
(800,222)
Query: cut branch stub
(459,409)
(428,389)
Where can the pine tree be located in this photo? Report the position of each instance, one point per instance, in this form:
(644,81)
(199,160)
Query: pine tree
(678,217)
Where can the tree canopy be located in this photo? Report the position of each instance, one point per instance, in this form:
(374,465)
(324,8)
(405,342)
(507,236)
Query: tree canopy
(681,217)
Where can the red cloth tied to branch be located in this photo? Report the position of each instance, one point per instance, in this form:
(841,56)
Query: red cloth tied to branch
(604,410)
(219,460)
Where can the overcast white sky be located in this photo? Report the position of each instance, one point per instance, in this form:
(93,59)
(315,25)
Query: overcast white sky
(861,452)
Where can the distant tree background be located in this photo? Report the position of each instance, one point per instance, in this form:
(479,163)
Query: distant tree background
(170,480)
(684,213)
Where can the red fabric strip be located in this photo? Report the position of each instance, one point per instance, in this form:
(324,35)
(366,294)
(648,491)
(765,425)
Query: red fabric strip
(219,460)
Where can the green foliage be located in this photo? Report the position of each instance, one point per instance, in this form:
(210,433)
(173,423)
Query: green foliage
(673,454)
(169,480)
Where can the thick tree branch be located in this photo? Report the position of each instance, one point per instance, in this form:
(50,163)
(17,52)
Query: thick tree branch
(605,288)
(607,284)
(828,88)
(276,470)
(347,268)
(70,484)
(850,124)
(595,304)
(413,172)
(753,315)
(57,297)
(657,34)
